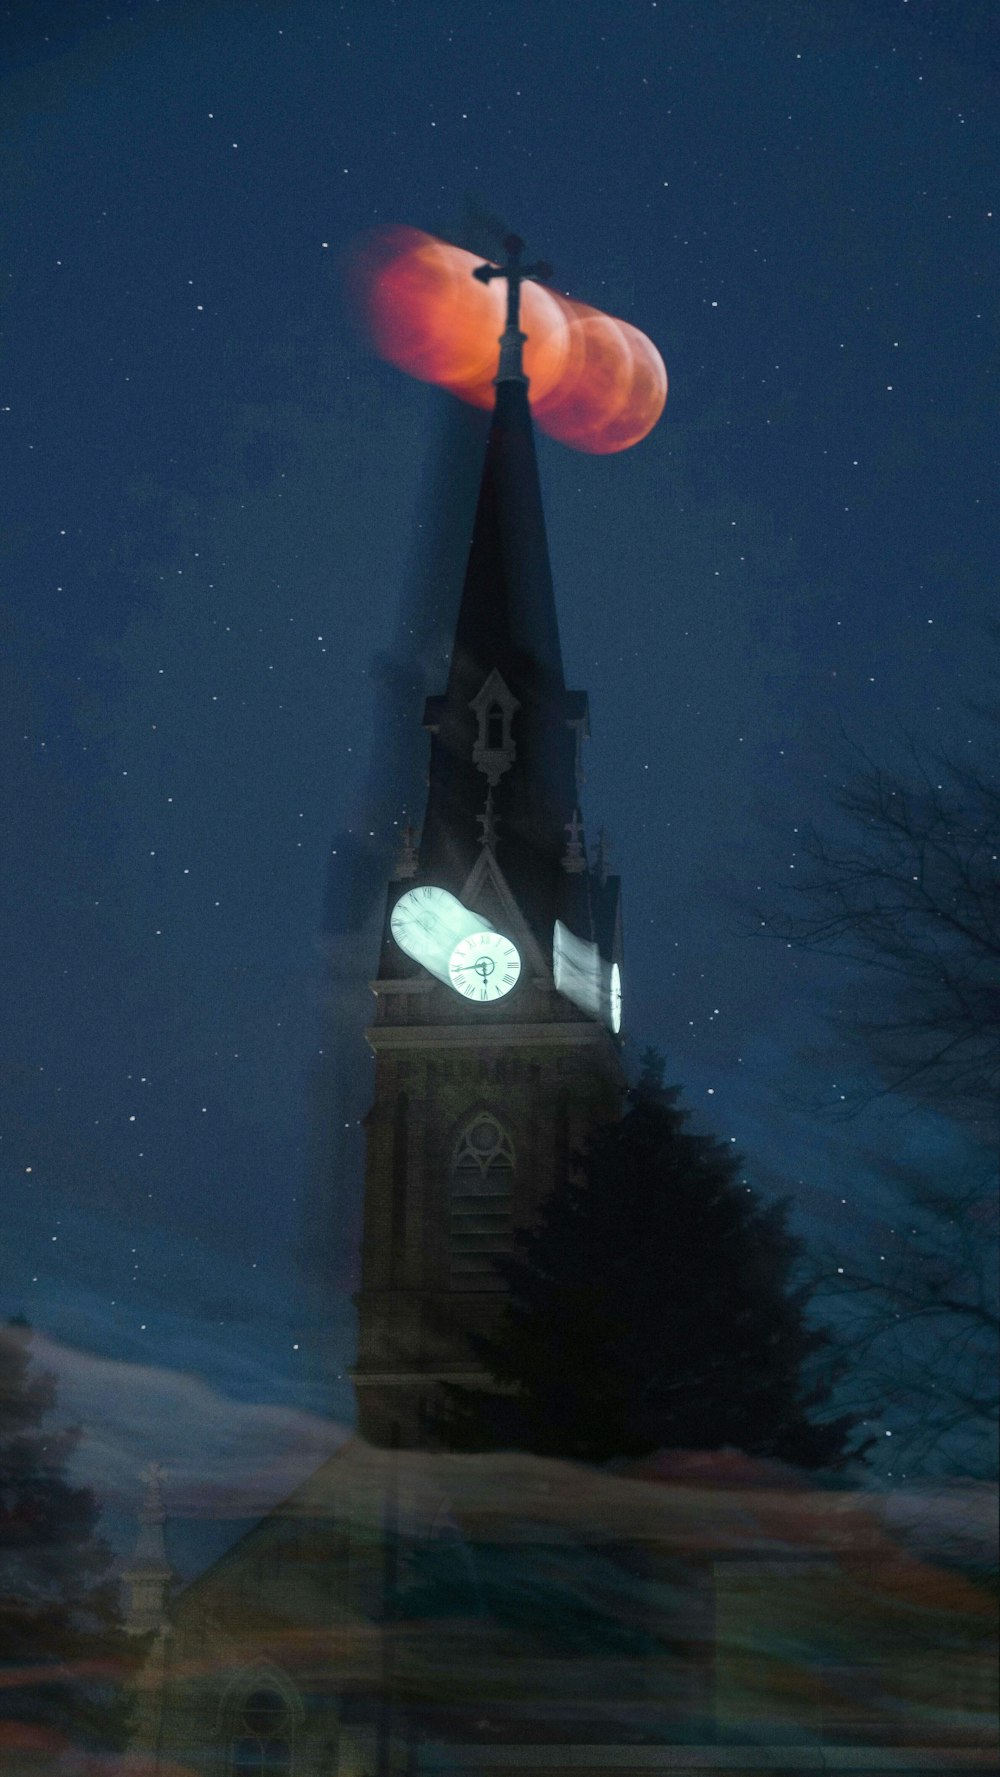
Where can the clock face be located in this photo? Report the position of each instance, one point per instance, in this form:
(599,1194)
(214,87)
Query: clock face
(615,997)
(578,972)
(484,967)
(421,916)
(427,923)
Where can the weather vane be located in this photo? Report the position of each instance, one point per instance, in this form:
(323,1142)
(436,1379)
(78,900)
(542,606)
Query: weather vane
(512,339)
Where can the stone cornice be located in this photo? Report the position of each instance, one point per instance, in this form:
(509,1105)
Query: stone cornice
(566,1033)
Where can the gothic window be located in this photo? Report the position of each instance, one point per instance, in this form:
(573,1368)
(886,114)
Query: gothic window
(494,707)
(261,1742)
(400,1147)
(482,1176)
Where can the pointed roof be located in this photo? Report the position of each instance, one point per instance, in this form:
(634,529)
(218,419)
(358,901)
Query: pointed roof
(507,625)
(507,618)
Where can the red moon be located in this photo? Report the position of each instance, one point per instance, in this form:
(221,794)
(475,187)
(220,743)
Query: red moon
(595,383)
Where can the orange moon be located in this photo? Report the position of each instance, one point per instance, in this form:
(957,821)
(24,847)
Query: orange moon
(595,383)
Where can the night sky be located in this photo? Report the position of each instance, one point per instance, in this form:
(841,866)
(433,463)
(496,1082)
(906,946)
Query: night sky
(234,555)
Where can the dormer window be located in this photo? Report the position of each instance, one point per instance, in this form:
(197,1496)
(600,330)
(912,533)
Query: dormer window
(494,750)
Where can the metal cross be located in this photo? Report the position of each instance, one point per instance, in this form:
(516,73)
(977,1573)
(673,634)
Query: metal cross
(515,273)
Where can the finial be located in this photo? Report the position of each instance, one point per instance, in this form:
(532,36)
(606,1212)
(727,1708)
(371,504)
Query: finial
(406,857)
(152,1510)
(511,368)
(574,857)
(602,856)
(487,820)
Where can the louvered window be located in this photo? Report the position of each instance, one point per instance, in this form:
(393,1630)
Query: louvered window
(482,1178)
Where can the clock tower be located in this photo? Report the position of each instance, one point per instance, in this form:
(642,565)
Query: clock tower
(498,983)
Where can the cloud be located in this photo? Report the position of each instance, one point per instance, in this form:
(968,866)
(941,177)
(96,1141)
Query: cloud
(224,1458)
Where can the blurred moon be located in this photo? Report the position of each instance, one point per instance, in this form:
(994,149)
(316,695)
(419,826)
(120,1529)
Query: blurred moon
(595,383)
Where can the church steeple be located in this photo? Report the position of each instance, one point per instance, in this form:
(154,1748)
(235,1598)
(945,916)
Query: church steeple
(504,716)
(494,1033)
(148,1575)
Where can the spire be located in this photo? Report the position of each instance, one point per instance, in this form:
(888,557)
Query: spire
(574,860)
(602,856)
(505,714)
(488,821)
(149,1574)
(406,855)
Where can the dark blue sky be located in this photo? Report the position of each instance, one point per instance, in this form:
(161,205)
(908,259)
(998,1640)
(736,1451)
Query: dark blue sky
(227,531)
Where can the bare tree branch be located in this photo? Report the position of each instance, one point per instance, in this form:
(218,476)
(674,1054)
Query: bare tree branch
(905,889)
(910,888)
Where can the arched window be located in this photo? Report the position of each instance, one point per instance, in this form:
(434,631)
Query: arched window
(494,727)
(262,1736)
(482,1177)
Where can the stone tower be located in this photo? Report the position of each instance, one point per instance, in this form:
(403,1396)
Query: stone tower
(495,1029)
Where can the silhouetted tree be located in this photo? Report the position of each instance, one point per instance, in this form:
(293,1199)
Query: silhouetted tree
(655,1305)
(63,1650)
(906,882)
(922,1317)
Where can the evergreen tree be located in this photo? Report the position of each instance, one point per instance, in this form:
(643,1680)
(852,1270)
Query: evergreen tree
(63,1651)
(655,1306)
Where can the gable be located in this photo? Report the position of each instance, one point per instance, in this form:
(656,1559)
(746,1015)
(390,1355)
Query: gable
(487,891)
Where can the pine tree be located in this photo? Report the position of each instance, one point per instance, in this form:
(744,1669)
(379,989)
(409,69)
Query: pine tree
(63,1652)
(655,1306)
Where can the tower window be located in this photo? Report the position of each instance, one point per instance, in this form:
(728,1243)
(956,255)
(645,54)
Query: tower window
(261,1745)
(482,1177)
(494,707)
(400,1146)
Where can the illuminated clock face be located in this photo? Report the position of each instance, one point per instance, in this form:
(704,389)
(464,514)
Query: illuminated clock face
(615,997)
(422,918)
(484,967)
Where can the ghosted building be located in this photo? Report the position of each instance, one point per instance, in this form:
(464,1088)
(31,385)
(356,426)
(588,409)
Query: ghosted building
(422,1612)
(498,983)
(413,1609)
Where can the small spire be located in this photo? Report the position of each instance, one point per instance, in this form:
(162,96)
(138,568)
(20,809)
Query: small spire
(574,857)
(487,820)
(602,856)
(153,1509)
(149,1574)
(512,339)
(406,857)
